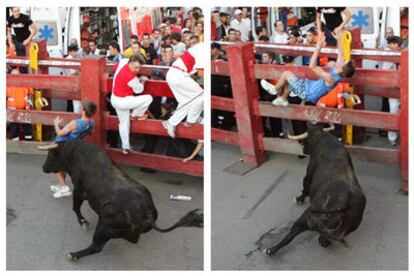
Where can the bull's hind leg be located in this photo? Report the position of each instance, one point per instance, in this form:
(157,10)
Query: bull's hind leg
(307,180)
(297,228)
(100,237)
(77,203)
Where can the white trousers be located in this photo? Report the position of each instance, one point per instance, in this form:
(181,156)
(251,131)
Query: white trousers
(394,109)
(77,106)
(123,107)
(185,89)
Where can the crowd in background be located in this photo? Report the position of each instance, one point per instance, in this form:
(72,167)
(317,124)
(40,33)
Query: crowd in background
(180,29)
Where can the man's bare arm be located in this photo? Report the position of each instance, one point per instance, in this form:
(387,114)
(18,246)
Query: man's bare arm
(340,58)
(33,31)
(66,129)
(9,37)
(346,20)
(318,22)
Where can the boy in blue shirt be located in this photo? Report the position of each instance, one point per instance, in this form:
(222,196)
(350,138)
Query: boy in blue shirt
(76,129)
(312,90)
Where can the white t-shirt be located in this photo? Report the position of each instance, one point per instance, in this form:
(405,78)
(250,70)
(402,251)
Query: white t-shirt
(68,71)
(192,60)
(280,38)
(243,26)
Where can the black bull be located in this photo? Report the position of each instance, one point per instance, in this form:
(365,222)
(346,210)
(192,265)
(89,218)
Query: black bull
(125,207)
(336,200)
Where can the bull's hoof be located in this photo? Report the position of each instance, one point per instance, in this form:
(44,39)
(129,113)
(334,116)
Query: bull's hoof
(71,257)
(324,242)
(297,200)
(268,252)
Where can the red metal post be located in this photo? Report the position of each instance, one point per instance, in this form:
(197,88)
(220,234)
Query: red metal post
(403,154)
(91,84)
(358,132)
(246,95)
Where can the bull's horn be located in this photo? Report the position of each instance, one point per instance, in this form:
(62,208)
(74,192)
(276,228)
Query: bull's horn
(299,137)
(330,128)
(48,147)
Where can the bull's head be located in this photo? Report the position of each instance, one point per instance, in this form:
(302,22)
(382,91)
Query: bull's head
(54,162)
(306,137)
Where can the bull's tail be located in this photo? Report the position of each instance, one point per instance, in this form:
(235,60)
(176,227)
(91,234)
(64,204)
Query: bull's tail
(194,218)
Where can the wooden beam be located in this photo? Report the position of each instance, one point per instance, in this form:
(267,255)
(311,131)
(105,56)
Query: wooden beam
(158,162)
(222,103)
(224,136)
(39,117)
(42,81)
(155,127)
(362,118)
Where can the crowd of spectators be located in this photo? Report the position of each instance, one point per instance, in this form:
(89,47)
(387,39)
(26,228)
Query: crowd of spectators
(180,29)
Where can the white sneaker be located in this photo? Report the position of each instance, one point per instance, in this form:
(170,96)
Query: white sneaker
(170,128)
(280,101)
(55,188)
(270,88)
(62,192)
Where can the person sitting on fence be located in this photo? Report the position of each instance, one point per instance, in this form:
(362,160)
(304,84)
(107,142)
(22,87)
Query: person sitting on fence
(125,85)
(76,129)
(312,90)
(187,92)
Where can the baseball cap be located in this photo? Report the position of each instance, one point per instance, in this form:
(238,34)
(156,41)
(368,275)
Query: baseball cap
(237,12)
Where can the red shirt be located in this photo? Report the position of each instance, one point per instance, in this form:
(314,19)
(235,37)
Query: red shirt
(121,79)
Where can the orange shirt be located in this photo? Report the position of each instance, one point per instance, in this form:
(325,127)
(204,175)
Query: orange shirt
(335,97)
(17,97)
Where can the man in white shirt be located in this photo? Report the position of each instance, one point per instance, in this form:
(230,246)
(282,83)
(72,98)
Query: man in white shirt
(73,52)
(280,36)
(94,47)
(241,25)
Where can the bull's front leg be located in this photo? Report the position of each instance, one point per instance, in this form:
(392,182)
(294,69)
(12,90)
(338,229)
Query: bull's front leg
(307,180)
(298,227)
(100,237)
(324,241)
(77,203)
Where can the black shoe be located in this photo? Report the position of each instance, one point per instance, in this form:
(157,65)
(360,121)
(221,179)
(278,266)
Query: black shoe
(147,170)
(301,156)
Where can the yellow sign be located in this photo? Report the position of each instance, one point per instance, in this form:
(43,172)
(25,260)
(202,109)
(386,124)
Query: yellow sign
(34,50)
(346,44)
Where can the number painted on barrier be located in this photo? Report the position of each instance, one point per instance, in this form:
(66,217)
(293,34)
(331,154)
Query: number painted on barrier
(20,117)
(320,115)
(334,117)
(312,114)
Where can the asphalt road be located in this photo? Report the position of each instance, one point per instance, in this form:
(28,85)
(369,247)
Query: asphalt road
(254,211)
(41,230)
